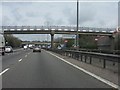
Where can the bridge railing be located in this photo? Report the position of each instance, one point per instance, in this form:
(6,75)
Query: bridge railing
(91,57)
(63,28)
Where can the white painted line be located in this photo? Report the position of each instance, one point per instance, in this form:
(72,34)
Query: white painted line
(5,29)
(84,30)
(29,53)
(4,71)
(20,60)
(46,29)
(12,29)
(104,31)
(18,29)
(97,31)
(72,30)
(65,29)
(59,29)
(87,72)
(38,29)
(53,29)
(90,30)
(24,29)
(25,55)
(111,31)
(31,29)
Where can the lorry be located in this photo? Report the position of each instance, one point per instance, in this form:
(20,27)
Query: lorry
(2,45)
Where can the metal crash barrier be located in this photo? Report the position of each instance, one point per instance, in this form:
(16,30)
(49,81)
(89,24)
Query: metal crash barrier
(88,57)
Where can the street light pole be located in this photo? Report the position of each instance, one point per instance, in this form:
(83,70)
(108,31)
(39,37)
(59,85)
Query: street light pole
(77,35)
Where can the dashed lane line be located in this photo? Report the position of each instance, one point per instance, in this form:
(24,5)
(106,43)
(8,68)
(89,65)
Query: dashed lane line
(20,60)
(25,55)
(4,71)
(28,53)
(87,72)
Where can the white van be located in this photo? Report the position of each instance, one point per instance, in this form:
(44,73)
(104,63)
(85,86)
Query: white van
(2,45)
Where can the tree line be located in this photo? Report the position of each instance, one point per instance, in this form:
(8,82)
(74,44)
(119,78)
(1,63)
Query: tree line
(13,41)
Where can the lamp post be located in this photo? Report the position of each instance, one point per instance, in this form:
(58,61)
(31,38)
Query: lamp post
(77,35)
(47,23)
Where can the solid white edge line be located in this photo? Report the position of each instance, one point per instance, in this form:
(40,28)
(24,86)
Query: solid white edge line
(4,71)
(20,60)
(87,72)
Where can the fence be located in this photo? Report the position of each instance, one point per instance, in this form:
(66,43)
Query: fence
(89,57)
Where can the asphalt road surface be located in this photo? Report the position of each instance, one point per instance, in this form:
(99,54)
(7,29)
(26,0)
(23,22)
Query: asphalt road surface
(25,69)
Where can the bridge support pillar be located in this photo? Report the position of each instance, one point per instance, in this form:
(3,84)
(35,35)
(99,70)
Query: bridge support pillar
(52,41)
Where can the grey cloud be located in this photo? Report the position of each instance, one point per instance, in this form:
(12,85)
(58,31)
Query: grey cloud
(98,14)
(49,19)
(6,20)
(102,23)
(71,15)
(119,14)
(31,14)
(15,4)
(86,13)
(16,14)
(60,22)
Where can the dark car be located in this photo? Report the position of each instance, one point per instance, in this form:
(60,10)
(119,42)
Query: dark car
(36,49)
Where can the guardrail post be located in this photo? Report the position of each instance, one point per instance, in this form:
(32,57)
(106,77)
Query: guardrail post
(113,63)
(81,57)
(90,60)
(65,54)
(72,54)
(85,58)
(77,56)
(104,63)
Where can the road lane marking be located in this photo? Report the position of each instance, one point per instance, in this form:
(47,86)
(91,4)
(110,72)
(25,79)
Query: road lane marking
(87,72)
(20,60)
(25,55)
(28,53)
(4,71)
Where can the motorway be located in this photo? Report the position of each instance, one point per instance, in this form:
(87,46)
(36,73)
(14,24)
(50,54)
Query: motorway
(25,69)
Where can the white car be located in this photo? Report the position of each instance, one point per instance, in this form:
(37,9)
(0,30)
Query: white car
(25,47)
(8,49)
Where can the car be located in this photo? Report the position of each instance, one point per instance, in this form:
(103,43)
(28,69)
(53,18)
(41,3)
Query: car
(25,47)
(8,49)
(2,45)
(30,46)
(37,49)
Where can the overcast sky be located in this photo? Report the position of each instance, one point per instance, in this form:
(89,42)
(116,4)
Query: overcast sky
(91,14)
